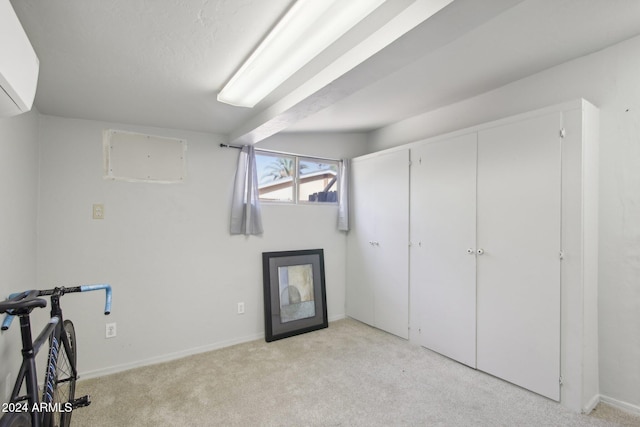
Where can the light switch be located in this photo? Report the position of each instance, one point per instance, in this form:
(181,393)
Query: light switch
(98,211)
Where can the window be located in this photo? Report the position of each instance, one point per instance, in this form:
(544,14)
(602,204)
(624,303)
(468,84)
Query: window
(293,179)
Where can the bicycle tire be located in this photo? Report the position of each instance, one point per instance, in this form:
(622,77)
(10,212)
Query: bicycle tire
(64,385)
(15,419)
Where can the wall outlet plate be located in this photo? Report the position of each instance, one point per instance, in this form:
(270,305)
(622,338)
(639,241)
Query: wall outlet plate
(98,211)
(110,330)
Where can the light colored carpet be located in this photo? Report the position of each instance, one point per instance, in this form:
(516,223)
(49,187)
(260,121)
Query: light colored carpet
(347,375)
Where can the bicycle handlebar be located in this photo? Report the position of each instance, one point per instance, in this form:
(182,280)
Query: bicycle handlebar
(6,322)
(21,296)
(107,289)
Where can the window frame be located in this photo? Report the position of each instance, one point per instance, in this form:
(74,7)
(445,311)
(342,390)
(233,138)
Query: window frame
(296,178)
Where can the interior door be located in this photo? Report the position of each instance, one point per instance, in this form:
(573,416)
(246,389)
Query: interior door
(360,250)
(443,234)
(518,272)
(391,262)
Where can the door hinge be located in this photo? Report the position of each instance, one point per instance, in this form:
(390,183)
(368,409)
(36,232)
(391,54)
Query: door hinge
(560,381)
(563,133)
(561,255)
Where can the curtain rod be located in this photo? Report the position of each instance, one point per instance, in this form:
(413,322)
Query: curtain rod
(231,146)
(239,147)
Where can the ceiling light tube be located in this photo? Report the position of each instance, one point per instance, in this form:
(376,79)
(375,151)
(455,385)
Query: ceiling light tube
(307,28)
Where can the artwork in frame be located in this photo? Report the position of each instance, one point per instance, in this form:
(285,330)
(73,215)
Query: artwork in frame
(295,300)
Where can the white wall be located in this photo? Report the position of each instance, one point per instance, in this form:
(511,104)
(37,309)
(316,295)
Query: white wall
(176,272)
(610,79)
(18,216)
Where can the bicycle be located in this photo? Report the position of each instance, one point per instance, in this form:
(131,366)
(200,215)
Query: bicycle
(58,393)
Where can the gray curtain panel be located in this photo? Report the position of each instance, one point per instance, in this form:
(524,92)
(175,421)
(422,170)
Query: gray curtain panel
(246,216)
(343,200)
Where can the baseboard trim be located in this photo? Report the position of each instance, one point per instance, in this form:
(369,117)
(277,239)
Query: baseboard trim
(168,357)
(177,355)
(592,404)
(634,409)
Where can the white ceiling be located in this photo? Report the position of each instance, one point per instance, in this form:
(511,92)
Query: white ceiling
(161,62)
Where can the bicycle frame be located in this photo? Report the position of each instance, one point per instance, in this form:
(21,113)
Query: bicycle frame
(42,411)
(28,369)
(59,338)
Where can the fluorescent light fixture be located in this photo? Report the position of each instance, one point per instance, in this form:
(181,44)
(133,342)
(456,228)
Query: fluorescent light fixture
(307,28)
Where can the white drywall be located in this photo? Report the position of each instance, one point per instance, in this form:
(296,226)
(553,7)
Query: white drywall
(177,273)
(18,221)
(610,80)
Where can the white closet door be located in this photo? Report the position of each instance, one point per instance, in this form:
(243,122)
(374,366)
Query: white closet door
(360,250)
(518,280)
(391,263)
(443,234)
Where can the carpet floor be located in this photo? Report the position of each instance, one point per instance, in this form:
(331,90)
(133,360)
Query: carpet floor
(346,375)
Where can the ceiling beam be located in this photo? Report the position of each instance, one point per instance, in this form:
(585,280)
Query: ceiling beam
(427,23)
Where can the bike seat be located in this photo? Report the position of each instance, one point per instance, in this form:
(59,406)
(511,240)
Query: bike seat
(22,303)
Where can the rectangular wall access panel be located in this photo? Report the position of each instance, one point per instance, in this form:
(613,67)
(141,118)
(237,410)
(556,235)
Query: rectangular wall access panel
(132,156)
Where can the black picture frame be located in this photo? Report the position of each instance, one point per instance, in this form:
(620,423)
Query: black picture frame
(295,299)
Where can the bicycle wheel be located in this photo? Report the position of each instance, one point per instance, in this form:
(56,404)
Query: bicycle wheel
(16,419)
(64,384)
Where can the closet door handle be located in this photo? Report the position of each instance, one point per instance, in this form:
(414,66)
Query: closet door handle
(470,251)
(480,251)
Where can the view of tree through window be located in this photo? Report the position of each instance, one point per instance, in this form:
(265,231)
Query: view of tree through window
(292,179)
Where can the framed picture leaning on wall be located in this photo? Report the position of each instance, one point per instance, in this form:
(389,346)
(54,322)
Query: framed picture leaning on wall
(295,300)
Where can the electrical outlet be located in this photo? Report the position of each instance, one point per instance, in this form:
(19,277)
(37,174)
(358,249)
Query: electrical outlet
(98,211)
(110,330)
(240,308)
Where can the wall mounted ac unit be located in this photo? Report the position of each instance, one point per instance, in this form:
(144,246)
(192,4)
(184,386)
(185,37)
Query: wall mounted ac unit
(19,65)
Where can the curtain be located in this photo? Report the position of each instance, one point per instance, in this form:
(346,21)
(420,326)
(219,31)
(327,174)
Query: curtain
(343,200)
(246,216)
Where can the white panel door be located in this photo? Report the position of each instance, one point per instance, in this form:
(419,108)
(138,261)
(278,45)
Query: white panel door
(360,251)
(443,235)
(518,275)
(391,263)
